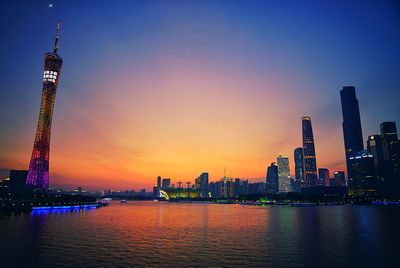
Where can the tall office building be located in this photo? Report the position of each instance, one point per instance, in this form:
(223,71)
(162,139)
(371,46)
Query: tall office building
(310,162)
(299,166)
(283,174)
(323,177)
(159,182)
(38,173)
(352,133)
(202,184)
(272,179)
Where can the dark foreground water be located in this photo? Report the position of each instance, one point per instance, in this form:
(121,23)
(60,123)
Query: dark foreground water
(167,234)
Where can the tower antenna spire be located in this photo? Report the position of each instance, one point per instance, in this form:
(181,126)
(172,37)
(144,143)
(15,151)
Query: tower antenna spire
(56,41)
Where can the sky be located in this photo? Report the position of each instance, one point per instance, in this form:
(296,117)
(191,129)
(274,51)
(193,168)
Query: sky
(176,88)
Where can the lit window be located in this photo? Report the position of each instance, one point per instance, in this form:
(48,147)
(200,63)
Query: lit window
(50,76)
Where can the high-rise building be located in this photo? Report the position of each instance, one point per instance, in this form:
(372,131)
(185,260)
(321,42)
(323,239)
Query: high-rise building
(376,146)
(310,162)
(363,178)
(272,179)
(202,184)
(283,174)
(38,173)
(299,165)
(383,168)
(389,132)
(159,182)
(166,183)
(323,177)
(392,168)
(352,132)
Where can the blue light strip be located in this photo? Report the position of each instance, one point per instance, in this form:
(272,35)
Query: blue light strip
(64,207)
(386,203)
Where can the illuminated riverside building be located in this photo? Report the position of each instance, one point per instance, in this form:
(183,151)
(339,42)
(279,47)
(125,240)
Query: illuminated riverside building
(283,174)
(310,162)
(299,165)
(352,132)
(38,174)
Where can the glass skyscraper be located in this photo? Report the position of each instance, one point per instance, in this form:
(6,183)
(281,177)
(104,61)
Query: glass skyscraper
(352,133)
(272,179)
(299,166)
(283,174)
(38,174)
(310,162)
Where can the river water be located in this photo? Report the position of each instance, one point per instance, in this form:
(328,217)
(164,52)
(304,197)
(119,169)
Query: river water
(158,234)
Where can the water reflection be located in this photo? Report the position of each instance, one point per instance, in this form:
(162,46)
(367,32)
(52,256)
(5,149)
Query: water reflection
(168,234)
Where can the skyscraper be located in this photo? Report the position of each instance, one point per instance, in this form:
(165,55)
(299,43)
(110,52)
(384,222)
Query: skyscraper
(283,174)
(352,133)
(310,162)
(392,169)
(202,184)
(38,174)
(389,132)
(383,167)
(159,182)
(299,165)
(376,146)
(272,179)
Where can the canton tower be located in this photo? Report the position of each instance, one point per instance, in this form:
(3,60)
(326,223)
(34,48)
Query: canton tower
(38,174)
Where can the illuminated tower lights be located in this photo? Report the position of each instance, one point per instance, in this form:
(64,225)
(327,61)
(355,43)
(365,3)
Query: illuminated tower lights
(38,174)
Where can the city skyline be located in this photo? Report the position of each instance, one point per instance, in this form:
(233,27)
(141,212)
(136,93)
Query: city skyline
(108,134)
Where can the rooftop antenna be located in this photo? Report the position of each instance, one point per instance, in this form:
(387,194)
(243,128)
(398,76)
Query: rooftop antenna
(56,41)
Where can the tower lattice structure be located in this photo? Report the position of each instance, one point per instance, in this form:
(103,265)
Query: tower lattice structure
(38,174)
